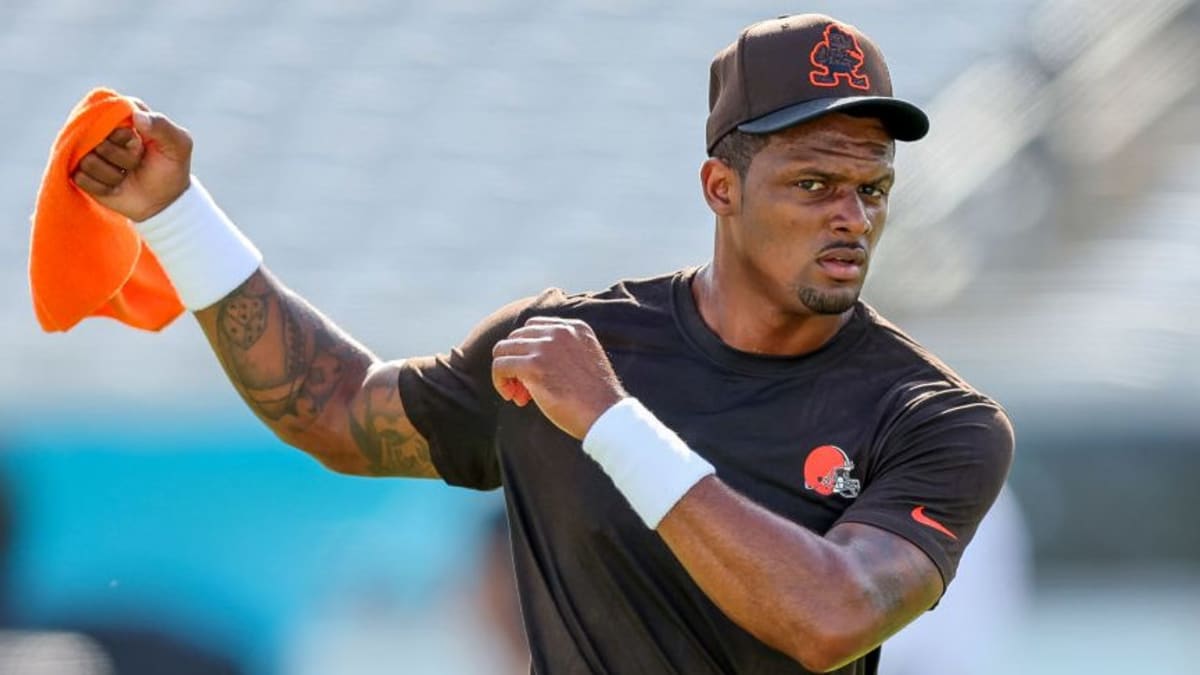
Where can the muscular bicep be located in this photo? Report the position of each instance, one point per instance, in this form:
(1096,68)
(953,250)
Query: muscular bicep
(384,440)
(900,581)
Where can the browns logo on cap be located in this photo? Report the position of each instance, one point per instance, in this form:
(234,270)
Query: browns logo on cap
(785,71)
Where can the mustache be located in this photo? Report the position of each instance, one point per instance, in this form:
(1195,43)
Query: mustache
(842,246)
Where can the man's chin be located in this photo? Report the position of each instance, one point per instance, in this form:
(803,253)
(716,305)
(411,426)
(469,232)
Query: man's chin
(828,302)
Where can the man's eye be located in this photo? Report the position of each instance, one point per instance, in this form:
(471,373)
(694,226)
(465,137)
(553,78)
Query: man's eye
(872,191)
(811,185)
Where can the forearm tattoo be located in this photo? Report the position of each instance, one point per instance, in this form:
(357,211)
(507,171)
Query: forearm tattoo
(290,364)
(282,358)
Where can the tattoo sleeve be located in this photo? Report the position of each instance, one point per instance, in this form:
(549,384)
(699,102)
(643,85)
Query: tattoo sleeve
(312,384)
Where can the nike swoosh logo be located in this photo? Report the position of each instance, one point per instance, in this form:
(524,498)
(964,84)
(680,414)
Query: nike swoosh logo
(918,514)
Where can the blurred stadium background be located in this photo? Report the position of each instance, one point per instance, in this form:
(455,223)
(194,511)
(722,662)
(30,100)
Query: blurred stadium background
(409,166)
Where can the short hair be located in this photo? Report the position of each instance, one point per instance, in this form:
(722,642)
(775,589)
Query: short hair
(738,148)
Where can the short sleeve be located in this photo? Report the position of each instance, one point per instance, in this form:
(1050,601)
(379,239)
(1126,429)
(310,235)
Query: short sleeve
(451,401)
(938,474)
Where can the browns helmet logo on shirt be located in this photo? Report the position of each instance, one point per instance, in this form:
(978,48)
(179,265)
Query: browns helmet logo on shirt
(827,472)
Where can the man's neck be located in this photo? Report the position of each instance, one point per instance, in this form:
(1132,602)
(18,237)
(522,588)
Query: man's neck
(747,320)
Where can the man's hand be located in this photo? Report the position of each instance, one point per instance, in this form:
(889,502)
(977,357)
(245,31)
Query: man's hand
(138,171)
(560,365)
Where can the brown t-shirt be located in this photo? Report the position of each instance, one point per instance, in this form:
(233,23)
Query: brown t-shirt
(871,428)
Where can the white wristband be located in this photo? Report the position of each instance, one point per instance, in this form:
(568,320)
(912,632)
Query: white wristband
(201,250)
(648,462)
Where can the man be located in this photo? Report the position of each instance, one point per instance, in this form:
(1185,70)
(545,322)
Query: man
(736,468)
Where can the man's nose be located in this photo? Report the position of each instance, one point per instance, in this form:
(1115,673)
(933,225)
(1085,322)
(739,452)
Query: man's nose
(850,215)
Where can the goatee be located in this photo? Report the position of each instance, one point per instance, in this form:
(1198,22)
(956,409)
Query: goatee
(820,302)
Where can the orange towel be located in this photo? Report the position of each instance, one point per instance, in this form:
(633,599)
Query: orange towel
(85,260)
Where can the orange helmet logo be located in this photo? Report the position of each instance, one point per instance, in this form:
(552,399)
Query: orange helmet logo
(827,472)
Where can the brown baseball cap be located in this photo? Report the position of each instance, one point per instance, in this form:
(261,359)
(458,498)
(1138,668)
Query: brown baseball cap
(784,71)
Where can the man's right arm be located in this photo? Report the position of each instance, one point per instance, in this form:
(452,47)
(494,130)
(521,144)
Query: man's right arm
(312,384)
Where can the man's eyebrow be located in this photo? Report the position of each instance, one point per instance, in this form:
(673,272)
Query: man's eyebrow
(888,176)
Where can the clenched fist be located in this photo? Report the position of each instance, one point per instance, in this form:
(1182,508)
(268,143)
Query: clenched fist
(559,365)
(138,171)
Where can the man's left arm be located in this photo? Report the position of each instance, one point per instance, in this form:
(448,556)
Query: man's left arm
(822,600)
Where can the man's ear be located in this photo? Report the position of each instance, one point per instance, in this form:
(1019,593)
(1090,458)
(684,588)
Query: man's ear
(722,187)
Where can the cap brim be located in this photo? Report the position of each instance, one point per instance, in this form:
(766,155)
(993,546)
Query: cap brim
(903,120)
